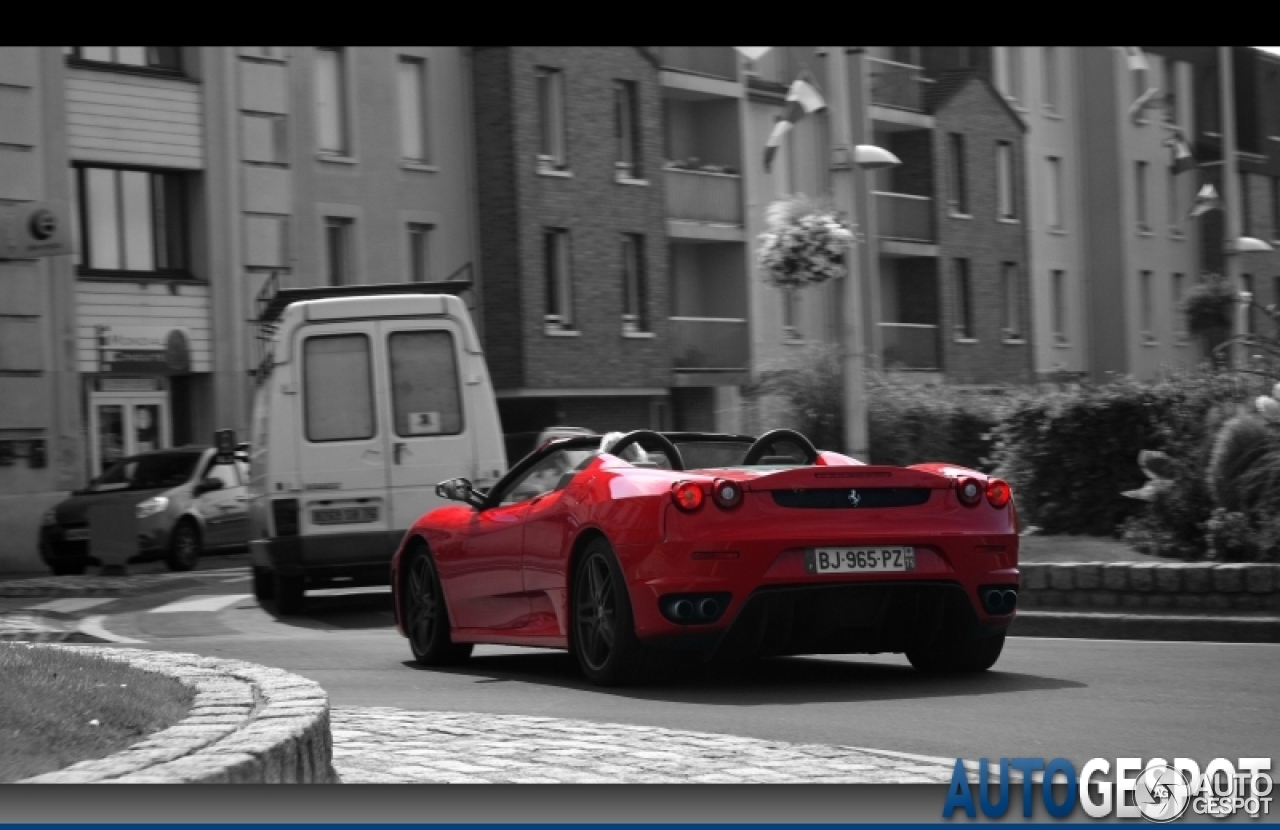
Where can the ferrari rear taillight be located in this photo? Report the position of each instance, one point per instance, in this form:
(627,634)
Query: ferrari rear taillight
(969,491)
(726,494)
(687,495)
(998,493)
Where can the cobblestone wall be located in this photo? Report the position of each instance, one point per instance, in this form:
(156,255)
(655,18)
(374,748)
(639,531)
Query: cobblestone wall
(1236,587)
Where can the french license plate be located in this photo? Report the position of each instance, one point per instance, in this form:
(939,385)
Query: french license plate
(343,515)
(76,534)
(859,560)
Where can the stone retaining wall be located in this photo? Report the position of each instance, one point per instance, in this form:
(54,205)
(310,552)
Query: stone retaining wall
(1233,587)
(249,724)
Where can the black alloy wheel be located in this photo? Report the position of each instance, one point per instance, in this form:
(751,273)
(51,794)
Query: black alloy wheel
(602,636)
(290,594)
(426,618)
(264,583)
(68,568)
(184,546)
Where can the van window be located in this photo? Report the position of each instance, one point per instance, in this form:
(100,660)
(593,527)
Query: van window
(338,388)
(424,383)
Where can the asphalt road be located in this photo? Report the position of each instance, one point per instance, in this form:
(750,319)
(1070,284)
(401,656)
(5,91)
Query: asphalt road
(1076,699)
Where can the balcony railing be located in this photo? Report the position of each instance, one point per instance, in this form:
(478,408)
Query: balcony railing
(904,217)
(695,196)
(710,343)
(897,85)
(716,61)
(910,346)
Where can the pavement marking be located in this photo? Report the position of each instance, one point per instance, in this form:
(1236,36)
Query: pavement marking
(216,602)
(93,626)
(1142,642)
(70,605)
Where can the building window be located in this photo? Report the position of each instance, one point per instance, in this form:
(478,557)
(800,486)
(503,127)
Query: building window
(148,57)
(559,280)
(1012,301)
(1175,214)
(1008,71)
(130,220)
(1140,196)
(332,126)
(338,247)
(634,284)
(426,396)
(627,121)
(1170,91)
(1057,285)
(552,153)
(1004,181)
(964,301)
(419,252)
(337,388)
(958,195)
(1246,215)
(1179,319)
(1051,78)
(1055,193)
(414,145)
(1144,290)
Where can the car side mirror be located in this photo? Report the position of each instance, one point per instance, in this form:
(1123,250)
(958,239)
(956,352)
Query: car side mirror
(208,486)
(459,489)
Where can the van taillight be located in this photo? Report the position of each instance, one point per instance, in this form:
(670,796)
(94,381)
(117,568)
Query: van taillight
(284,515)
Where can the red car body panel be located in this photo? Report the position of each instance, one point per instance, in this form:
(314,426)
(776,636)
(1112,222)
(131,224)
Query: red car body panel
(506,572)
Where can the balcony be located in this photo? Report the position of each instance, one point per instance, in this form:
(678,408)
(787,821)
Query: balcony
(905,218)
(714,61)
(897,85)
(710,346)
(910,347)
(704,205)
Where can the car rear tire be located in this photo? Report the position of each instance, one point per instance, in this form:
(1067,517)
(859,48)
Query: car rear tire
(426,617)
(602,634)
(971,655)
(264,584)
(290,594)
(184,546)
(68,568)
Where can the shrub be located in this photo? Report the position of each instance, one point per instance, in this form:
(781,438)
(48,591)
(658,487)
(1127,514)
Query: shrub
(1240,473)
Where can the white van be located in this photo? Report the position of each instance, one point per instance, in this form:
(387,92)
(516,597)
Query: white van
(364,403)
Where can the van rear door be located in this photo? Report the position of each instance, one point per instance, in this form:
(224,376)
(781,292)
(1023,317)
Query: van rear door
(427,423)
(342,460)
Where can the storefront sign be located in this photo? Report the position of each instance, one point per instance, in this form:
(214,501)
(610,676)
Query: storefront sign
(144,350)
(35,229)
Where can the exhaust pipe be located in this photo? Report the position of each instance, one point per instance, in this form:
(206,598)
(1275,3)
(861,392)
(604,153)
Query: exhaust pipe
(682,609)
(1010,599)
(708,608)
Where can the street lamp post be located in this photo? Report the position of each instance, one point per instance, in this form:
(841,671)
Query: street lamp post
(845,66)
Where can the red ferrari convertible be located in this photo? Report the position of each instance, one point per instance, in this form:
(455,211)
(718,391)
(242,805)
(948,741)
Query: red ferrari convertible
(721,544)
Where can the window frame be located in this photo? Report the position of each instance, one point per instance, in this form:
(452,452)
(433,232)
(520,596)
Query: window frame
(1146,305)
(635,285)
(553,139)
(348,275)
(1058,312)
(1006,182)
(1011,288)
(1050,91)
(75,57)
(557,254)
(422,75)
(962,282)
(422,231)
(1056,221)
(306,386)
(344,105)
(629,163)
(176,224)
(1177,282)
(1141,213)
(457,378)
(958,190)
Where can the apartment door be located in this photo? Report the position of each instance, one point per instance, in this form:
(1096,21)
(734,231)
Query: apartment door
(125,423)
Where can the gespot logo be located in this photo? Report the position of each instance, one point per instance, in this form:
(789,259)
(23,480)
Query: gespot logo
(1157,790)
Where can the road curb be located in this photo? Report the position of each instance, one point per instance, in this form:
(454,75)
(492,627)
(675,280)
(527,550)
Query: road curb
(249,724)
(96,585)
(1199,628)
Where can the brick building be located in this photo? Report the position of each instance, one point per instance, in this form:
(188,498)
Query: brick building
(573,237)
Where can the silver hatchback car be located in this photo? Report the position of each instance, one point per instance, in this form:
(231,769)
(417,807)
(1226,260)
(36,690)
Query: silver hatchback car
(184,504)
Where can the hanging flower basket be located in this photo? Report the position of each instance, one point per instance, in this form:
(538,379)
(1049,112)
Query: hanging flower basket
(805,243)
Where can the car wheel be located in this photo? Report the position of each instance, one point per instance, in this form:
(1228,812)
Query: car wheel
(972,655)
(426,617)
(602,634)
(67,568)
(184,546)
(264,584)
(290,594)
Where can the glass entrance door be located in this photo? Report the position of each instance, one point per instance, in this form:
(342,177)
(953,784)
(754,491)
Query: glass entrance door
(125,423)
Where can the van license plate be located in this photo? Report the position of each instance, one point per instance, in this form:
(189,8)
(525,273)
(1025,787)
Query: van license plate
(343,515)
(859,560)
(76,534)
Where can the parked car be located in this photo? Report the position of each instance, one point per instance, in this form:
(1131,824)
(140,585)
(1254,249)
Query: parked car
(720,544)
(185,504)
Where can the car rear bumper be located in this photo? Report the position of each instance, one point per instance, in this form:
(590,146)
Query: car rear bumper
(54,547)
(364,557)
